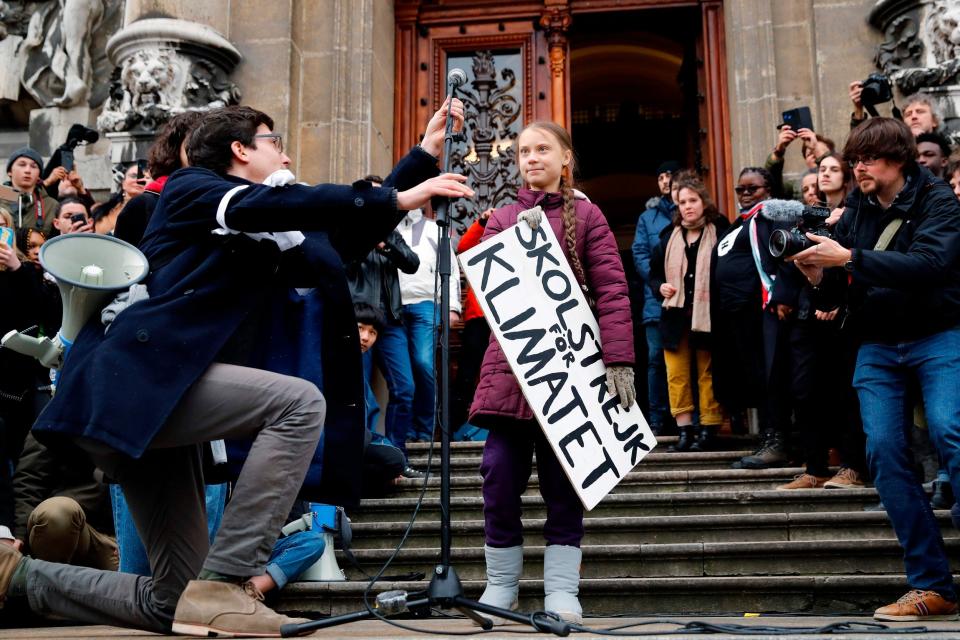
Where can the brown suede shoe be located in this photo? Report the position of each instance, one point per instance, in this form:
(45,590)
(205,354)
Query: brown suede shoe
(804,481)
(918,605)
(226,609)
(9,559)
(846,478)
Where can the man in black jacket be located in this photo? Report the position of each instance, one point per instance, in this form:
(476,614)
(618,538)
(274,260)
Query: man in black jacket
(217,245)
(898,243)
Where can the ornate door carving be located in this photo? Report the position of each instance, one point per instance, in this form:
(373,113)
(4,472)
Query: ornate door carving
(508,83)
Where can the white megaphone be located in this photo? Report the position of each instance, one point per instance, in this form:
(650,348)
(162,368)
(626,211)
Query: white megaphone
(90,269)
(326,568)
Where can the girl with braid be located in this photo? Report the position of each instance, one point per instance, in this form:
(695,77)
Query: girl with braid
(545,158)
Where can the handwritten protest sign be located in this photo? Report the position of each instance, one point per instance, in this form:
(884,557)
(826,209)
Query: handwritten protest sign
(544,325)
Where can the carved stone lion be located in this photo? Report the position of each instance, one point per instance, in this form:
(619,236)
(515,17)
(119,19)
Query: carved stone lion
(145,95)
(942,24)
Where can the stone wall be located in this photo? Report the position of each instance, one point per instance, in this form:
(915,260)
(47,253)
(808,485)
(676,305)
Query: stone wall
(788,53)
(323,69)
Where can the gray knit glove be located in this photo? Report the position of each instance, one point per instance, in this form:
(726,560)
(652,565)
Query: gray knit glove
(620,383)
(531,216)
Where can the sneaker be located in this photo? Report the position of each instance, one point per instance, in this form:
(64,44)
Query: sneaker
(846,478)
(942,497)
(804,481)
(918,605)
(227,609)
(410,472)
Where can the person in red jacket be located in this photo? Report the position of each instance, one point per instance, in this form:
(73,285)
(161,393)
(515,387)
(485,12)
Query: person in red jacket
(474,337)
(545,156)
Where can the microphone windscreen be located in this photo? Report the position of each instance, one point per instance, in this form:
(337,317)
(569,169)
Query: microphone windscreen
(457,77)
(781,210)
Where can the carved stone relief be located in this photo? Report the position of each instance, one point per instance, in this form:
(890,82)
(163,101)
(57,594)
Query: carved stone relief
(921,50)
(165,67)
(56,49)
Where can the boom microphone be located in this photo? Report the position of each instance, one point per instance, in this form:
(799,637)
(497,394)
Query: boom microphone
(781,210)
(456,77)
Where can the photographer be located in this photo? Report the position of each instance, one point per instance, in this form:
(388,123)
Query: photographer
(31,207)
(73,217)
(898,244)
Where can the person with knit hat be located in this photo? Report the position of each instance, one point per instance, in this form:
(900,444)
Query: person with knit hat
(33,208)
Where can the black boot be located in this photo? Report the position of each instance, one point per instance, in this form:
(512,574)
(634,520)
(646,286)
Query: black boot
(772,452)
(685,441)
(705,437)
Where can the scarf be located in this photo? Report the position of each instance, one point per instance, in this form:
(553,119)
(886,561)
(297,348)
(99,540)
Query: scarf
(675,267)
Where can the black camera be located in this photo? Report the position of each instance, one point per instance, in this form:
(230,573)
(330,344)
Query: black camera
(876,89)
(787,242)
(79,133)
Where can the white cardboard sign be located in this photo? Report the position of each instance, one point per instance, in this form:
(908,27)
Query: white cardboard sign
(551,339)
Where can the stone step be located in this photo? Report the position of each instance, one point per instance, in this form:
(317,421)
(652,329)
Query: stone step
(633,482)
(723,443)
(801,594)
(694,559)
(638,504)
(659,529)
(465,465)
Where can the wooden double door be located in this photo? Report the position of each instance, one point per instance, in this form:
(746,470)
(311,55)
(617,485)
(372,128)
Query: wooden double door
(636,82)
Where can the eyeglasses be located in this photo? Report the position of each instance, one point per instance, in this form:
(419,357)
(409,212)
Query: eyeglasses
(867,161)
(749,189)
(275,137)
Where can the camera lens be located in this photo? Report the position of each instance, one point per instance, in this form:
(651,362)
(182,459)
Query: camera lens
(779,241)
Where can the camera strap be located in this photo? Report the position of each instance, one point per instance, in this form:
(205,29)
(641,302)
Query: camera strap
(887,236)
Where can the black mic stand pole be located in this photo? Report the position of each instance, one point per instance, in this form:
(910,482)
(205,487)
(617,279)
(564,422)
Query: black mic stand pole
(445,590)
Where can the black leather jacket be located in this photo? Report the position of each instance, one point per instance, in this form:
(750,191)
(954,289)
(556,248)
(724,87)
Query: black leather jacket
(374,280)
(911,290)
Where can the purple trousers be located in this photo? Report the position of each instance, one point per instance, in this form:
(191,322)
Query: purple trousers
(507,462)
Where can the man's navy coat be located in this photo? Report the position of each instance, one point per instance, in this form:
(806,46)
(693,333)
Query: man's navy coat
(119,387)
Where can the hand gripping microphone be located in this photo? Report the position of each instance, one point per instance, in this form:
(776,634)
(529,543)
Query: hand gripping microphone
(456,77)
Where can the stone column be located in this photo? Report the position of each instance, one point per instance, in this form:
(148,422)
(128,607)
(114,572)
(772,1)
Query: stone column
(342,88)
(752,74)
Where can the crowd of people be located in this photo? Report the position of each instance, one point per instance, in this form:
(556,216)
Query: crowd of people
(260,329)
(829,360)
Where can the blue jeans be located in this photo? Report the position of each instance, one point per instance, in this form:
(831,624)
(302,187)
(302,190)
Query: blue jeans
(372,408)
(294,554)
(421,322)
(133,557)
(882,376)
(404,354)
(392,352)
(659,412)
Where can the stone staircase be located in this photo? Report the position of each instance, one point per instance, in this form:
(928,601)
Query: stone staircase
(683,534)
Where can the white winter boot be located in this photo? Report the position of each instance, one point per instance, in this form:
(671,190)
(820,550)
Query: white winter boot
(561,582)
(504,567)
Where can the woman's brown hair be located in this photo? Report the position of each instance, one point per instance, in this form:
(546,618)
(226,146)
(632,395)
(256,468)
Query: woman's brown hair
(569,217)
(845,170)
(689,180)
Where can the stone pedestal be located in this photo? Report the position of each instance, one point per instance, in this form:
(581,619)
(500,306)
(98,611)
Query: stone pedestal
(126,146)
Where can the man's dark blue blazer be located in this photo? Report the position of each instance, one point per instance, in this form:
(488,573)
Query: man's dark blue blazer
(119,387)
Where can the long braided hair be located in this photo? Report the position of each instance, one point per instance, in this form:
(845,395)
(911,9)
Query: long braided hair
(569,215)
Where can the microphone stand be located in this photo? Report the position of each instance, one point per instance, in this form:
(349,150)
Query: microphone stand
(445,590)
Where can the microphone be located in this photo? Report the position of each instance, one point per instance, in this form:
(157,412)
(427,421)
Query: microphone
(782,210)
(456,77)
